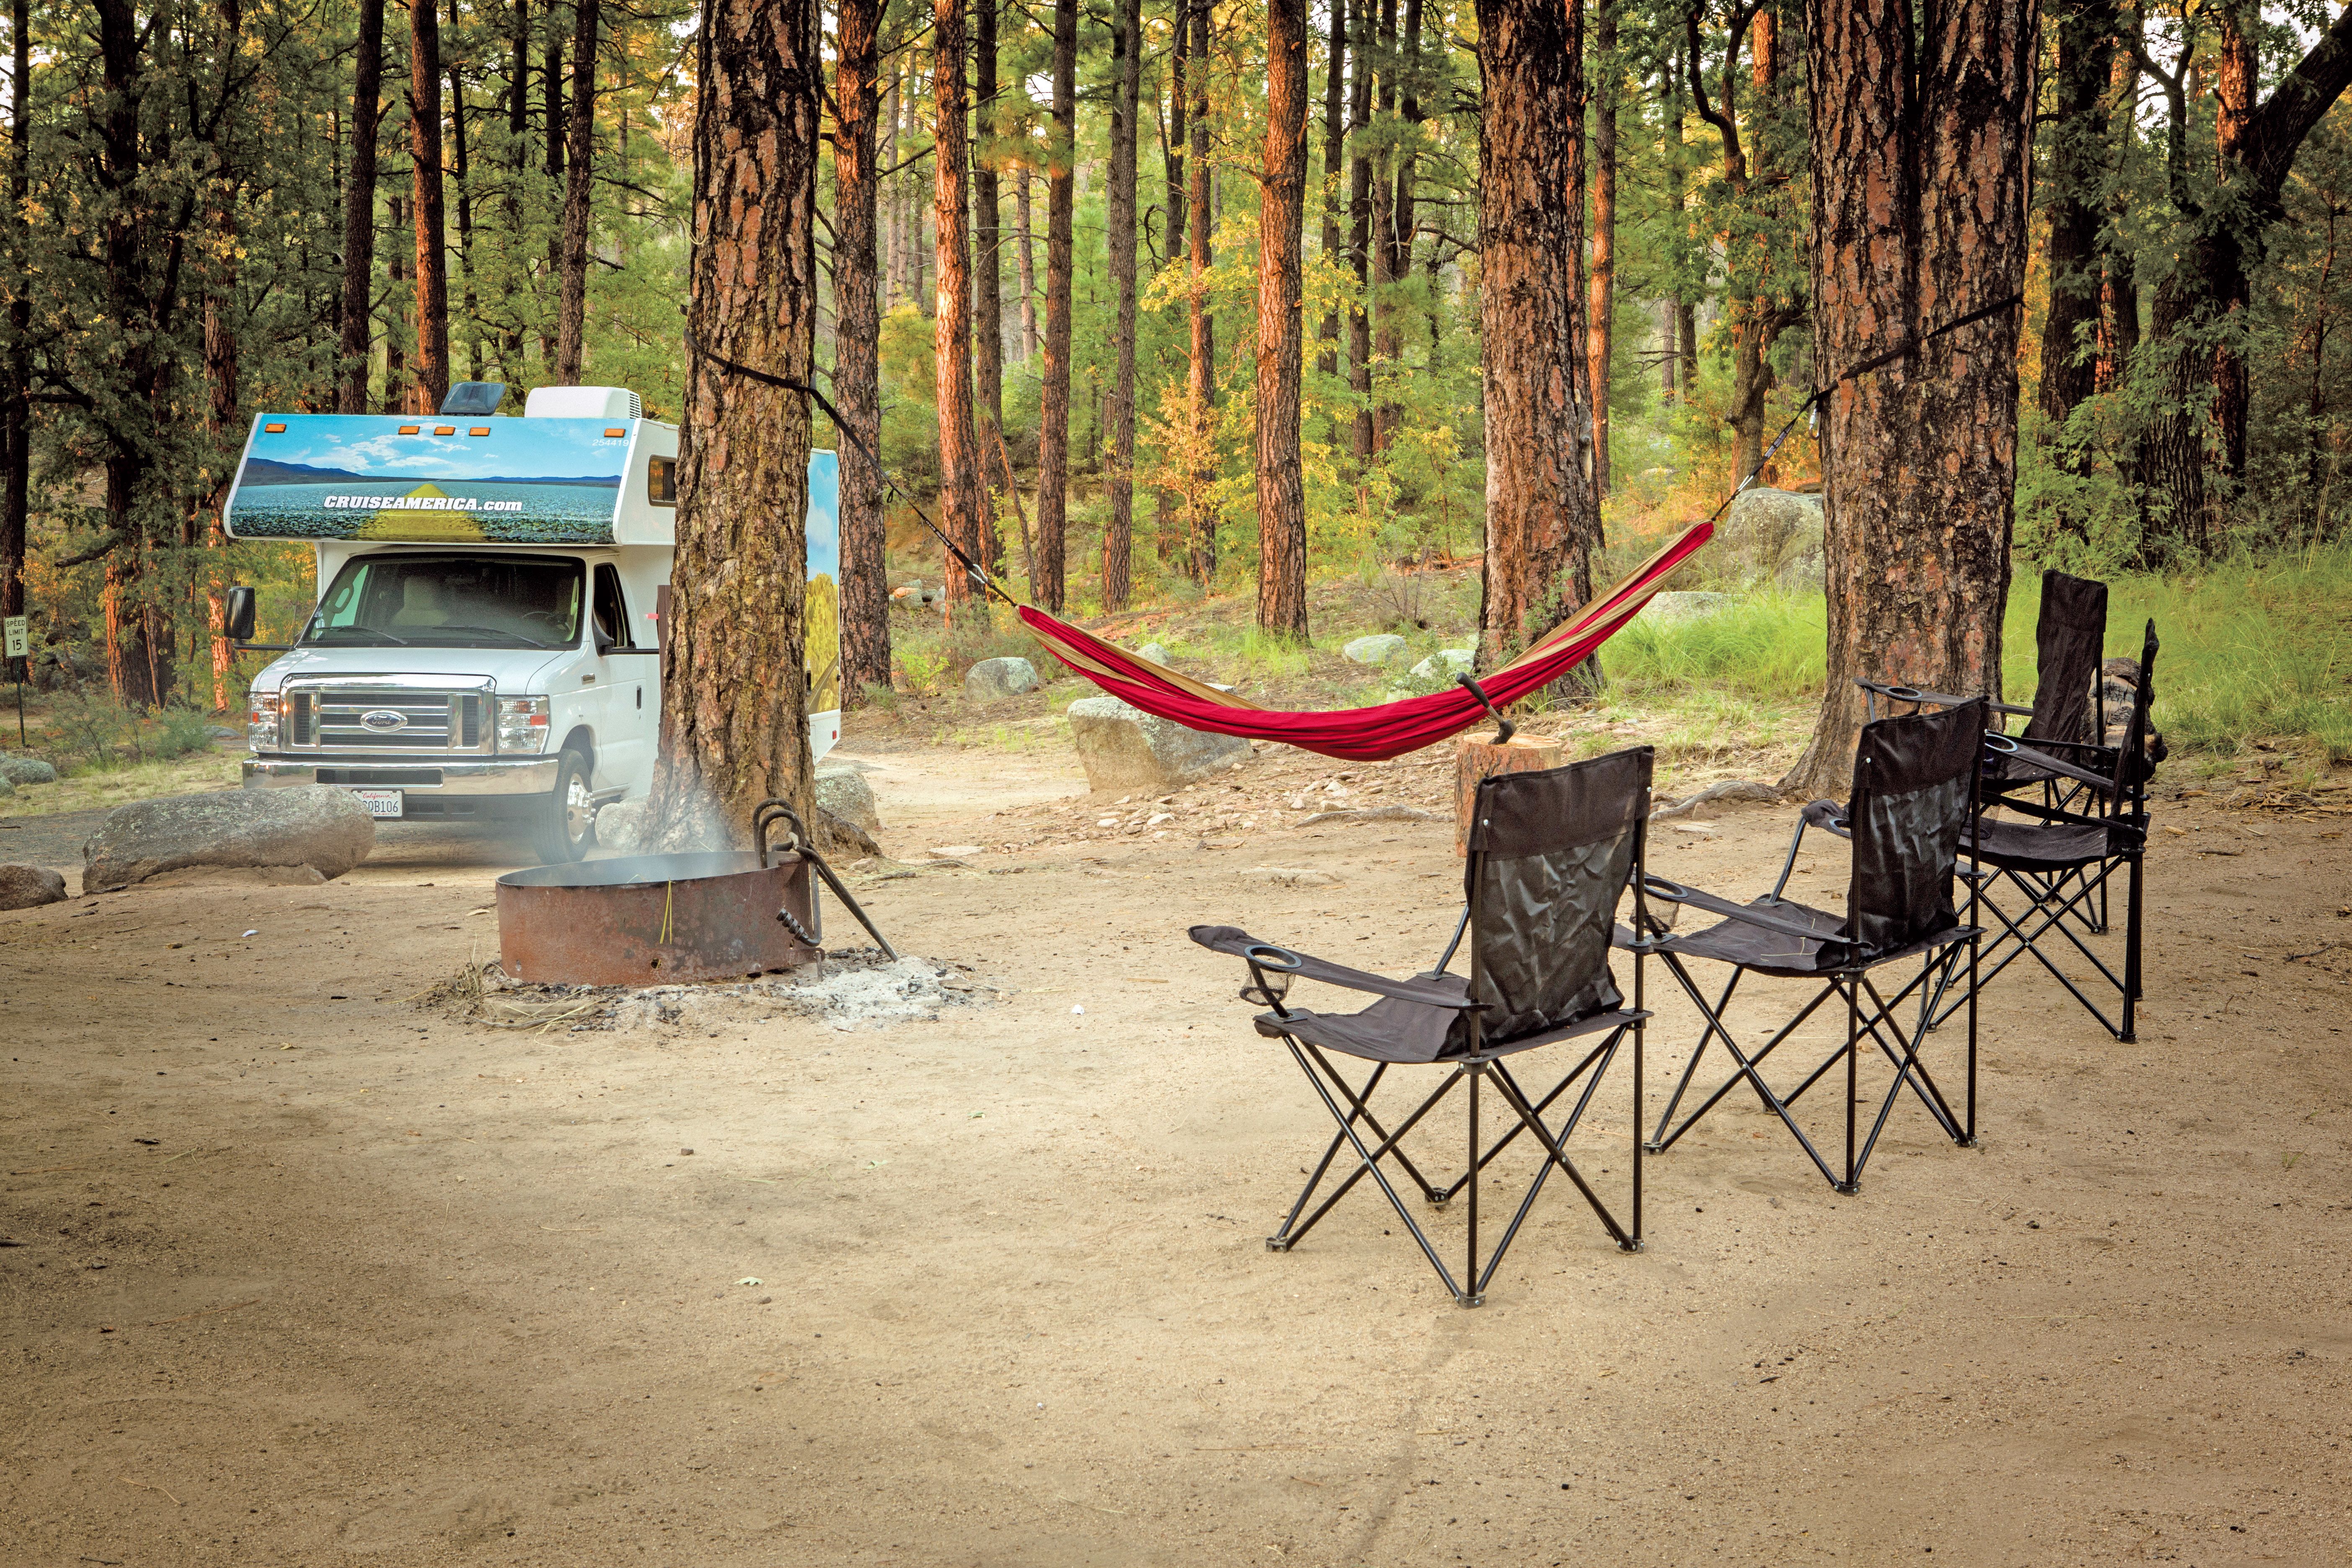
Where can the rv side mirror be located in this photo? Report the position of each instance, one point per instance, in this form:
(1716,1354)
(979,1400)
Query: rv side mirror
(240,614)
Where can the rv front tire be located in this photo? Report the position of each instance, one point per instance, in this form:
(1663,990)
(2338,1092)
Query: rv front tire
(567,823)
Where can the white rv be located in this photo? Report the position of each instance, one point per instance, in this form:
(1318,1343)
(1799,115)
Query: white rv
(487,639)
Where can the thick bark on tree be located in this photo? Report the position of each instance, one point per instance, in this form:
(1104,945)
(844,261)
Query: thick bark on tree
(1119,537)
(1054,403)
(1758,321)
(988,295)
(580,134)
(1180,51)
(550,70)
(734,686)
(1025,260)
(2078,157)
(358,309)
(1543,526)
(963,480)
(15,420)
(1360,231)
(1282,213)
(2119,279)
(432,383)
(1603,314)
(1919,460)
(1335,155)
(856,353)
(1200,365)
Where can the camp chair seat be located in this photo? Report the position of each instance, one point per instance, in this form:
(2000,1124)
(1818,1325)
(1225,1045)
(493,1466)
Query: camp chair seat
(1390,1030)
(2038,846)
(1785,956)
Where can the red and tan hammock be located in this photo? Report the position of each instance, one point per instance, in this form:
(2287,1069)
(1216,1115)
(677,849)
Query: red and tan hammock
(1363,735)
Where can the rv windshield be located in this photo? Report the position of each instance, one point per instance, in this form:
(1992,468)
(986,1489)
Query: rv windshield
(450,601)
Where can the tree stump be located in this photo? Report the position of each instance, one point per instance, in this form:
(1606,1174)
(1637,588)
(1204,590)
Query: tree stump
(1476,757)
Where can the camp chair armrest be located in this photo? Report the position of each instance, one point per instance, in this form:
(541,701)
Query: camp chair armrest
(1675,893)
(2009,747)
(1276,960)
(1939,699)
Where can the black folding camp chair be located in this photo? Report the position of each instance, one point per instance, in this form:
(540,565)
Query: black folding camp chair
(1550,854)
(1914,802)
(2051,868)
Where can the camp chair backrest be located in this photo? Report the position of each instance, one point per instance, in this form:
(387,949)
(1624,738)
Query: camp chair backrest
(1550,854)
(1912,780)
(2069,640)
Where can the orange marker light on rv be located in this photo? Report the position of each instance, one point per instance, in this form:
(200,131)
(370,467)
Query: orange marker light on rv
(409,429)
(615,430)
(273,429)
(445,429)
(478,430)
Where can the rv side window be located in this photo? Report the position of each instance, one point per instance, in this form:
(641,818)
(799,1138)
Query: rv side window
(661,481)
(612,609)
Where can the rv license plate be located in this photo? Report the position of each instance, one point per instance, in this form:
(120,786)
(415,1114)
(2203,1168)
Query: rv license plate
(381,803)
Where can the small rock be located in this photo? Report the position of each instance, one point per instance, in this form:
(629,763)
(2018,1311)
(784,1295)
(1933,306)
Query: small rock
(1123,747)
(844,793)
(315,827)
(1445,664)
(1154,652)
(1291,876)
(1772,535)
(29,886)
(993,678)
(26,770)
(621,825)
(1670,608)
(6,789)
(1382,648)
(953,851)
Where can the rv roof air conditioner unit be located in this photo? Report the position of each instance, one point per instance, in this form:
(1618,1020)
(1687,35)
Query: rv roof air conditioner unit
(583,402)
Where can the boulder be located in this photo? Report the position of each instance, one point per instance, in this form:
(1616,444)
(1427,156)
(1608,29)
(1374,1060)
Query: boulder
(315,827)
(993,678)
(1154,652)
(1772,536)
(1125,748)
(26,770)
(1445,664)
(6,789)
(26,887)
(1679,606)
(1382,648)
(621,825)
(844,792)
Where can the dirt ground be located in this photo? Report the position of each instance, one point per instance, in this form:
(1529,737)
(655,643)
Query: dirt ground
(297,1271)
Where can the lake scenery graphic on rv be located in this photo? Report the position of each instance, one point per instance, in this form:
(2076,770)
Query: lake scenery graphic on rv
(366,476)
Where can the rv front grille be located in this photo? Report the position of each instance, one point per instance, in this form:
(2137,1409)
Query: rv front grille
(367,717)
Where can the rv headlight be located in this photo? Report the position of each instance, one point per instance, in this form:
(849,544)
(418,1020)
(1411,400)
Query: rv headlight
(261,722)
(523,724)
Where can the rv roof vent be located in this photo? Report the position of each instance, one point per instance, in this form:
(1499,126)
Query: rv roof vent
(583,402)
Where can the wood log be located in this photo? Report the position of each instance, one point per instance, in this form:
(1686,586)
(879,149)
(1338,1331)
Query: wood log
(1476,757)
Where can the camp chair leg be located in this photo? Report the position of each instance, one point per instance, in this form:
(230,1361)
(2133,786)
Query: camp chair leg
(1555,1154)
(1476,1295)
(1371,1163)
(1291,1233)
(1853,1009)
(1598,1053)
(1658,1140)
(2131,953)
(2022,942)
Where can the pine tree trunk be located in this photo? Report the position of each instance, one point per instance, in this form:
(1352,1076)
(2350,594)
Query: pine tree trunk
(734,686)
(1384,249)
(2079,153)
(358,310)
(963,481)
(1200,365)
(580,135)
(856,354)
(15,416)
(518,129)
(1025,258)
(988,261)
(396,331)
(2119,279)
(1054,403)
(1604,234)
(1335,156)
(1119,537)
(1543,527)
(221,368)
(1173,518)
(1404,214)
(1919,460)
(432,250)
(550,69)
(1282,212)
(1360,231)
(461,171)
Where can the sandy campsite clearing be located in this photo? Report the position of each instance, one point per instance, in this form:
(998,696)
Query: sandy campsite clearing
(298,1269)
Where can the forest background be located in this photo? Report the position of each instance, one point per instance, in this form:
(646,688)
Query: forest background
(305,205)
